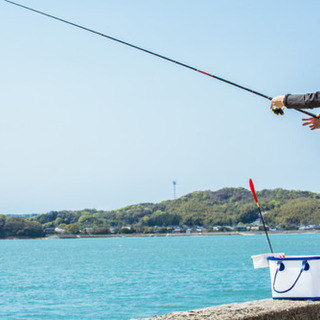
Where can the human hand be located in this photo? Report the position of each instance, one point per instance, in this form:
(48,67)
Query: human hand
(313,123)
(277,102)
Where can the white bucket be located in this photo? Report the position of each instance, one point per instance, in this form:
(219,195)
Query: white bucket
(261,260)
(295,277)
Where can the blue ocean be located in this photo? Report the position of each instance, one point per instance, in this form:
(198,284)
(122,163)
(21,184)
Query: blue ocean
(123,278)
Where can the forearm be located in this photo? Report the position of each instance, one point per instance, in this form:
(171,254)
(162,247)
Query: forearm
(301,101)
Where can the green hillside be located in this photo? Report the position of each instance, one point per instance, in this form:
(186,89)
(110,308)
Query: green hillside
(225,207)
(228,206)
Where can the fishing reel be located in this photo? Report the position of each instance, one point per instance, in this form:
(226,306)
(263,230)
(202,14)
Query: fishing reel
(278,111)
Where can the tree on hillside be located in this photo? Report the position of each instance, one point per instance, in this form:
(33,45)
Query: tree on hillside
(2,223)
(302,210)
(73,228)
(88,220)
(16,226)
(248,213)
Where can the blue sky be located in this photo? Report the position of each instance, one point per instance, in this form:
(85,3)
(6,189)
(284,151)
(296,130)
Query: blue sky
(89,123)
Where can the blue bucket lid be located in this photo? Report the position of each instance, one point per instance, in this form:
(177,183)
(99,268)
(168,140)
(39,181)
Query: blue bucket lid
(294,258)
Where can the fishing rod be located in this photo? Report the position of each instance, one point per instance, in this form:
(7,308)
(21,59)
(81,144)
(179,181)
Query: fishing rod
(261,217)
(277,111)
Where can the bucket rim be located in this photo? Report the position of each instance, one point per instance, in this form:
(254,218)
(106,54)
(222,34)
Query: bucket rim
(294,258)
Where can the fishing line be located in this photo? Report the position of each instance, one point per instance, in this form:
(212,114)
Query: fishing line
(275,110)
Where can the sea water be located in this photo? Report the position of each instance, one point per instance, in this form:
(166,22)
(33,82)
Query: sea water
(122,278)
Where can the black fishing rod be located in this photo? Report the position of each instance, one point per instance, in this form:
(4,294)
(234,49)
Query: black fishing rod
(275,110)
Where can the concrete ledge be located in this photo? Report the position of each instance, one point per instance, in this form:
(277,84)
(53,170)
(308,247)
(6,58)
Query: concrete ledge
(267,309)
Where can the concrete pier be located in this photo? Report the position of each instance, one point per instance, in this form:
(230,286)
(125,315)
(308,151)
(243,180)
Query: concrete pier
(267,309)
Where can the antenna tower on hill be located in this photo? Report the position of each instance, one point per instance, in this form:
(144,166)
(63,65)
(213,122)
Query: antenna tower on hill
(174,189)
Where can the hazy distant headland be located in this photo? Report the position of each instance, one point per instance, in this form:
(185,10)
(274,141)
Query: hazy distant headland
(228,209)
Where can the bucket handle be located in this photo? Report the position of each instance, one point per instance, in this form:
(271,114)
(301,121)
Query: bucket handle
(305,267)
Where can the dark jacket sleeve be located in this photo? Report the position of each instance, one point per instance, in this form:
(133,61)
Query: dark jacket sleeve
(301,101)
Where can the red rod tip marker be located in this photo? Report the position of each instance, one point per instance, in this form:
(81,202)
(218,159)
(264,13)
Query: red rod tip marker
(253,191)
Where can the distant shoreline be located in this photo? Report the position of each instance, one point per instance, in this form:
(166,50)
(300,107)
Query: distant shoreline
(161,235)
